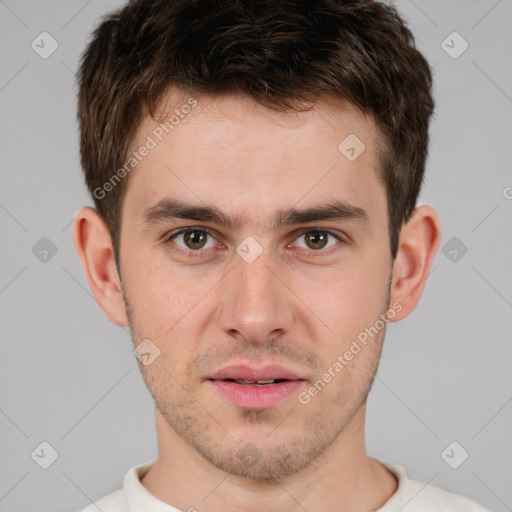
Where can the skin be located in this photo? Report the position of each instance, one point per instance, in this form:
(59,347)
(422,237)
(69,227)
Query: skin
(289,306)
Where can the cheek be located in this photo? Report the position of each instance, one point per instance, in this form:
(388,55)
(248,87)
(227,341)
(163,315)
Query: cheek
(163,293)
(168,306)
(348,296)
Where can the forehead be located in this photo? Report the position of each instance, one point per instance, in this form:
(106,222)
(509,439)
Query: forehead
(244,158)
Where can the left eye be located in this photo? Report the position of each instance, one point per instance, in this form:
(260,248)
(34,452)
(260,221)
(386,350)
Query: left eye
(317,239)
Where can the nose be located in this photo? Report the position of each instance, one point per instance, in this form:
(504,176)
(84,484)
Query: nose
(255,302)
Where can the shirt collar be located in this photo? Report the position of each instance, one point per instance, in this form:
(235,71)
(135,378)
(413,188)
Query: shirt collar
(139,499)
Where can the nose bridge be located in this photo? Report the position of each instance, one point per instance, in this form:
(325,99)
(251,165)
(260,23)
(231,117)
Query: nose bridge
(254,304)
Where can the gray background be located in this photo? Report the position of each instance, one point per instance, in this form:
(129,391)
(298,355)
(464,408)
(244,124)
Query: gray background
(68,376)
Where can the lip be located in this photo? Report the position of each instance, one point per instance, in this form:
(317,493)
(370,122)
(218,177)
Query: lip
(245,372)
(248,396)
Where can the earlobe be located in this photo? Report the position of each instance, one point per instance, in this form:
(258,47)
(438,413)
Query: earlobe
(418,244)
(94,247)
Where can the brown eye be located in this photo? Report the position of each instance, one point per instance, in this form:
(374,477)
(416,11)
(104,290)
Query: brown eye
(193,239)
(317,239)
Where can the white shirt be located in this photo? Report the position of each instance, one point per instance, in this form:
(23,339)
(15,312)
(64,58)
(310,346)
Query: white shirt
(410,496)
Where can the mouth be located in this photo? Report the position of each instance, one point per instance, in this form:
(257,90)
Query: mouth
(253,388)
(261,382)
(248,374)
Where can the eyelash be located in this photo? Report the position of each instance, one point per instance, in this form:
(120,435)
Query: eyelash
(199,254)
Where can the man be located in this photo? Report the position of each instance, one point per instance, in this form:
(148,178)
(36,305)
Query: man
(255,167)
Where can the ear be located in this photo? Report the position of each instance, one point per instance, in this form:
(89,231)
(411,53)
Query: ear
(418,243)
(94,247)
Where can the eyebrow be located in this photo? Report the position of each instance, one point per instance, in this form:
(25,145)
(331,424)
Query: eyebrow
(170,208)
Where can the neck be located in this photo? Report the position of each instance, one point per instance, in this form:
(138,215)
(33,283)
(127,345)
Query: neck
(343,478)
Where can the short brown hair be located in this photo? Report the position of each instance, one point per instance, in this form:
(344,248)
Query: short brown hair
(282,53)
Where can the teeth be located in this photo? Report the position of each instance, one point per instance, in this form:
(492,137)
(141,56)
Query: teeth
(241,381)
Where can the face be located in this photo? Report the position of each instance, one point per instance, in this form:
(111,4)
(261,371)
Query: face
(278,286)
